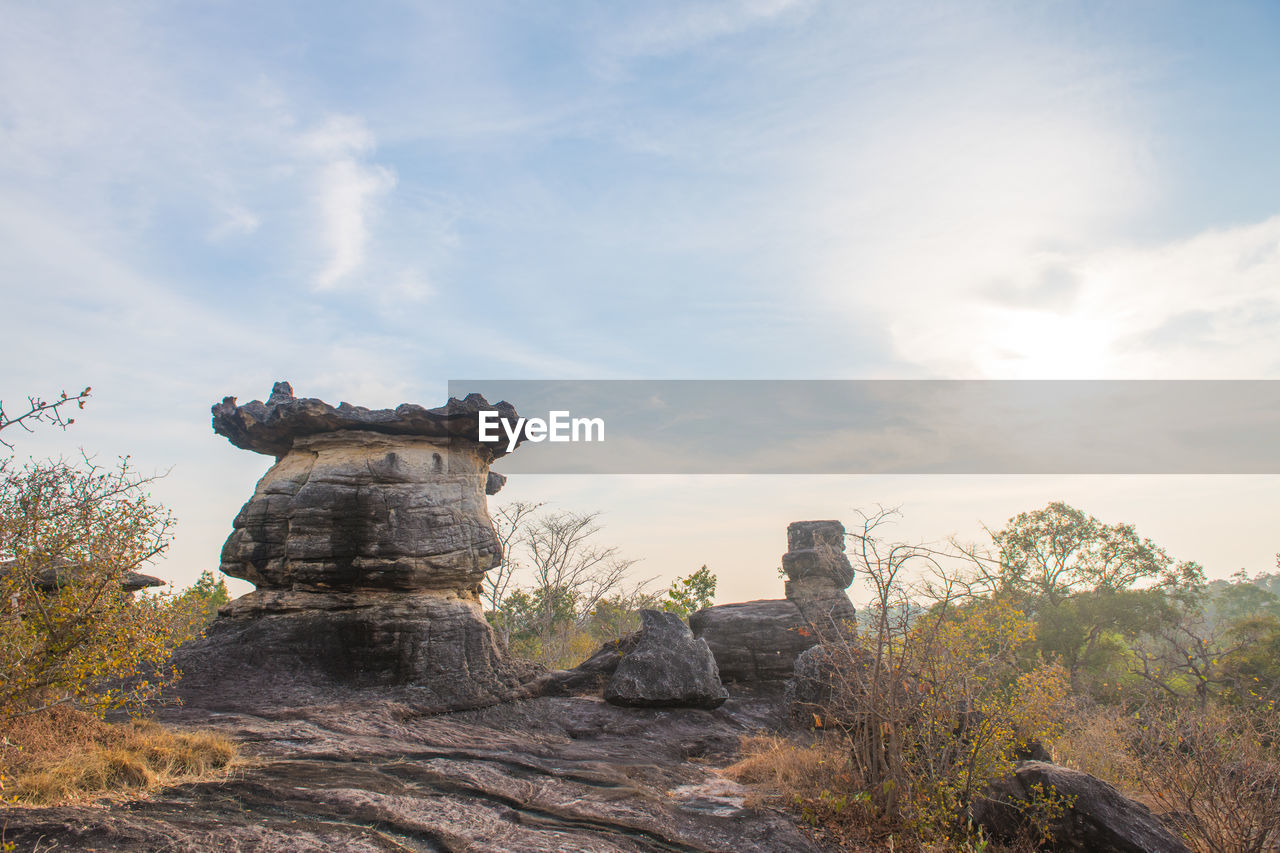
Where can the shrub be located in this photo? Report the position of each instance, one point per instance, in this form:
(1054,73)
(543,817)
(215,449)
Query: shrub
(70,631)
(1216,770)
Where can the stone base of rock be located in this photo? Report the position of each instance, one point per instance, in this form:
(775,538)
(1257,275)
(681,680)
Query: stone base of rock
(438,647)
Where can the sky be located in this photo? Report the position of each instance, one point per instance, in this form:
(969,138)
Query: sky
(368,200)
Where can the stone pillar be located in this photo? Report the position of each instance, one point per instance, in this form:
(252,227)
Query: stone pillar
(818,573)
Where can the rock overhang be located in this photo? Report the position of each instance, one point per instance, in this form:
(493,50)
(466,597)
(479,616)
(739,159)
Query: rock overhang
(272,427)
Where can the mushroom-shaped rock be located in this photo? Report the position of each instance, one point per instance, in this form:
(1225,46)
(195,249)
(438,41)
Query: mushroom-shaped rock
(669,668)
(363,499)
(367,540)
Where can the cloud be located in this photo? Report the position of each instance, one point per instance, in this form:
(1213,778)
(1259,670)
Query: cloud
(1202,307)
(237,221)
(1055,289)
(348,191)
(670,29)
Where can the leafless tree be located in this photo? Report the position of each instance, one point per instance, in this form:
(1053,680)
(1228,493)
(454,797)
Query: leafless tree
(510,522)
(564,558)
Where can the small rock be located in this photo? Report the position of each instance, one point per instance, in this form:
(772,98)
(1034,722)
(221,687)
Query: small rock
(668,669)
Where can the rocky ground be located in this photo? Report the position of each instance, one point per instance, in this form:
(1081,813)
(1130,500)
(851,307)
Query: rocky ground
(364,773)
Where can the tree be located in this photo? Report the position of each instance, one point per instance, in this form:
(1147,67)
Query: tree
(202,599)
(934,695)
(572,583)
(510,523)
(564,556)
(1094,589)
(1058,550)
(70,630)
(691,594)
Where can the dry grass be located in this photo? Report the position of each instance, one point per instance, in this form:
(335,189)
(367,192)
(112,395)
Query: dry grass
(64,755)
(1213,771)
(781,767)
(815,783)
(1098,741)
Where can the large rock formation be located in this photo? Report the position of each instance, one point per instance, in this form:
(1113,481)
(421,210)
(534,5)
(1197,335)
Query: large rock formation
(756,641)
(367,540)
(668,668)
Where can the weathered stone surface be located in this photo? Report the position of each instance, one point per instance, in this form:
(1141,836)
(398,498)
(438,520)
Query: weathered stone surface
(808,691)
(754,640)
(363,510)
(368,540)
(817,548)
(669,668)
(367,772)
(1100,819)
(759,640)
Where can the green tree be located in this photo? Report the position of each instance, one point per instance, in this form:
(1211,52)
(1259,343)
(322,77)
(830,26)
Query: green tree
(1056,551)
(200,601)
(691,594)
(1095,590)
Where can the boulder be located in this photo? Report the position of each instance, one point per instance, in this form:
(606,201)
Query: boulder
(669,668)
(1099,819)
(367,540)
(754,640)
(808,691)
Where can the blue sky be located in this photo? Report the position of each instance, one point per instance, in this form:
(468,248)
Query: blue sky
(198,199)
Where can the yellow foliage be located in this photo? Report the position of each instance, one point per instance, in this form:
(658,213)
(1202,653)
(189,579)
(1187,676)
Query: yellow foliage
(69,630)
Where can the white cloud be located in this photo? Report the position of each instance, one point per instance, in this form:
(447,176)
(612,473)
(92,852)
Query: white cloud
(348,191)
(236,221)
(668,29)
(1204,307)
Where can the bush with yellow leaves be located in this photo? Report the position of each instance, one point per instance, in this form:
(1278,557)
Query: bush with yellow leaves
(70,630)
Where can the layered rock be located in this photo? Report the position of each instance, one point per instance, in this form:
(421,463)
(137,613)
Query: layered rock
(668,668)
(367,541)
(818,573)
(759,641)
